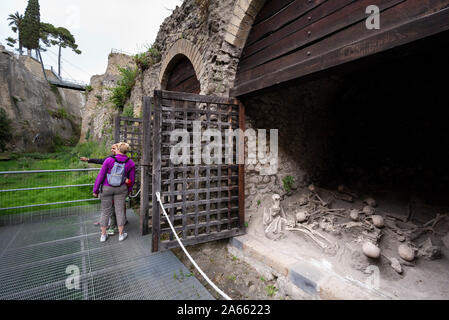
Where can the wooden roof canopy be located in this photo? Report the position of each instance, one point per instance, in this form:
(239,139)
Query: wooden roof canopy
(291,39)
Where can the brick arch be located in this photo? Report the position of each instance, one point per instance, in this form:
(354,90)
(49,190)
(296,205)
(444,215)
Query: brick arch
(182,47)
(238,28)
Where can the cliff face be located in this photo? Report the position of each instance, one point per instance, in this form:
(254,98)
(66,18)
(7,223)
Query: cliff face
(42,115)
(98,113)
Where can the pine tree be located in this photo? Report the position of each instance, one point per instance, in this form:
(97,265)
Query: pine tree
(29,28)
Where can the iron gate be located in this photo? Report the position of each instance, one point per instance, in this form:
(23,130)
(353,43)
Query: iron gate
(205,202)
(130,130)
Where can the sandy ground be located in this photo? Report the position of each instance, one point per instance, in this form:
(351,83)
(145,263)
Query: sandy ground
(236,278)
(421,279)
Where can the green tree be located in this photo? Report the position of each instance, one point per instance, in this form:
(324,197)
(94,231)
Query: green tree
(46,31)
(64,39)
(61,37)
(30,26)
(5,129)
(15,22)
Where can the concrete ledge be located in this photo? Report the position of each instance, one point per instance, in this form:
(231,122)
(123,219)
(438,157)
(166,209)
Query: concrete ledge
(312,280)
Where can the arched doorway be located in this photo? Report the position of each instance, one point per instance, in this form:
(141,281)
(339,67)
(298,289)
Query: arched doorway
(181,76)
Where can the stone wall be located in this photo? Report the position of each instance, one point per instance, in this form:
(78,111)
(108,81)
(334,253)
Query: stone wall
(304,118)
(212,40)
(212,34)
(198,34)
(42,115)
(98,112)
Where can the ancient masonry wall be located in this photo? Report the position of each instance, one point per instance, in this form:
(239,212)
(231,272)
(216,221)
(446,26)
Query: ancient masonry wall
(212,34)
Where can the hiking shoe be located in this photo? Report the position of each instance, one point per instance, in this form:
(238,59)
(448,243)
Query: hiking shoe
(111,231)
(123,236)
(104,237)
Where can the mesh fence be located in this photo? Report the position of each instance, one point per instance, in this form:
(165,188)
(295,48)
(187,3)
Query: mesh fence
(35,257)
(28,195)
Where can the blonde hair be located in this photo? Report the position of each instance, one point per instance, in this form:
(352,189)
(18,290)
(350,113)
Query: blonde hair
(123,147)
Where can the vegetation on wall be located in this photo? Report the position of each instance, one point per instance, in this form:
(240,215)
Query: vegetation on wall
(148,58)
(5,129)
(60,113)
(128,111)
(122,91)
(287,183)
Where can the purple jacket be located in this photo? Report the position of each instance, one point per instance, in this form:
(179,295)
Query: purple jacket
(130,172)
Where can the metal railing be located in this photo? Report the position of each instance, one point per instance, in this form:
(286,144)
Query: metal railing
(42,190)
(113,50)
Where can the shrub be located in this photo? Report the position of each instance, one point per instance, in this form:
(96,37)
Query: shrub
(271,290)
(288,183)
(122,91)
(128,111)
(89,88)
(60,113)
(5,129)
(146,59)
(91,149)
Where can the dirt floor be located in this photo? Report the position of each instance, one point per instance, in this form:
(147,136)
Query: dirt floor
(234,277)
(426,276)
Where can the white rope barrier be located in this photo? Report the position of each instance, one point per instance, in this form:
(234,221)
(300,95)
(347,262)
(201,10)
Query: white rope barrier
(133,196)
(224,295)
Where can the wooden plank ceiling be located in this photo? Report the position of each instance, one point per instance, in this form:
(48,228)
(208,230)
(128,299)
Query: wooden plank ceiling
(291,39)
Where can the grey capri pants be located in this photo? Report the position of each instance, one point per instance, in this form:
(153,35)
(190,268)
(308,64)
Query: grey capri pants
(118,194)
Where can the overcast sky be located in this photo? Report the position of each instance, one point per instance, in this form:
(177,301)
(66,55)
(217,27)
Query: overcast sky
(98,26)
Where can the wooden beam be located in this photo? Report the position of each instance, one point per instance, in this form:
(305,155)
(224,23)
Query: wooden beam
(156,170)
(194,97)
(117,128)
(241,160)
(413,30)
(146,163)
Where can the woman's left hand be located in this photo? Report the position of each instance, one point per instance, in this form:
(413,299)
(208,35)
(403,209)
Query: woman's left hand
(95,195)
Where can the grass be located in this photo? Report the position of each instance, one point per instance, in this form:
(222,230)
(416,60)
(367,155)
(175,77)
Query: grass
(271,290)
(181,277)
(232,277)
(288,183)
(63,158)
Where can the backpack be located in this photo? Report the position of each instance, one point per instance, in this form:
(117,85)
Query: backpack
(117,175)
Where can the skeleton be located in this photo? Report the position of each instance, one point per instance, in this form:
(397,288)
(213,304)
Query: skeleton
(274,219)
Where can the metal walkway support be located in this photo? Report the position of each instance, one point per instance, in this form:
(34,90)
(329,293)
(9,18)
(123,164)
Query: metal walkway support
(68,84)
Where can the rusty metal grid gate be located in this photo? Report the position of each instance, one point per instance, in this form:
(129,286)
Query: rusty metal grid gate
(130,130)
(205,202)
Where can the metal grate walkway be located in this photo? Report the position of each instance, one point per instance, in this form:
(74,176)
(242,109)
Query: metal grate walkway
(34,257)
